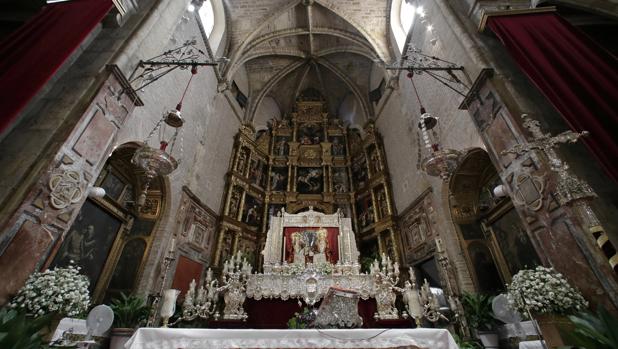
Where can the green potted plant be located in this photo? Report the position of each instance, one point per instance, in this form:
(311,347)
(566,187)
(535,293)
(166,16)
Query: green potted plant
(477,309)
(547,295)
(20,331)
(592,331)
(130,312)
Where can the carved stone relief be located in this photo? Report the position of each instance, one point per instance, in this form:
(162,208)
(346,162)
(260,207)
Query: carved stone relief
(417,232)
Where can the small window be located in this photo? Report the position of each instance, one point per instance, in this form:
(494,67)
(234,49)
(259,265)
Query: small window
(402,18)
(406,15)
(207,16)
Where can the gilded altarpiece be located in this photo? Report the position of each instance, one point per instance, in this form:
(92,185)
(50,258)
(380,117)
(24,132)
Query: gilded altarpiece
(307,159)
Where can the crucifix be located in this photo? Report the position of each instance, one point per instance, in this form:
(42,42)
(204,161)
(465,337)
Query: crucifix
(570,190)
(569,187)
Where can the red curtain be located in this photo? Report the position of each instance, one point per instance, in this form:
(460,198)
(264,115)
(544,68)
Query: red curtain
(578,77)
(332,250)
(30,56)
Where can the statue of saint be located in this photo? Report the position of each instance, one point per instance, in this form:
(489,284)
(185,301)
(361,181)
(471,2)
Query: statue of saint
(299,251)
(322,245)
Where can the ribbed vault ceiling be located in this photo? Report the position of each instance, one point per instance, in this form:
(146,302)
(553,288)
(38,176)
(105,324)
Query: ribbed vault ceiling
(287,46)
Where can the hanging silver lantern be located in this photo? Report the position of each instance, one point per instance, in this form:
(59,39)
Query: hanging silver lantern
(436,161)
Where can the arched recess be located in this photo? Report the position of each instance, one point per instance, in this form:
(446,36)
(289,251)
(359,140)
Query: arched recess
(111,237)
(495,242)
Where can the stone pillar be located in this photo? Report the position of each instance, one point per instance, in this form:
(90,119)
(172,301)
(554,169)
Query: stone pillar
(558,236)
(36,229)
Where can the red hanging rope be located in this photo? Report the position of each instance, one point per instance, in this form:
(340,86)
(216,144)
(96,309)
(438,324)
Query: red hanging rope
(418,98)
(193,73)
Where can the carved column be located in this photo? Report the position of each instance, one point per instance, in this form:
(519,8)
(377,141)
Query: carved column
(556,231)
(38,226)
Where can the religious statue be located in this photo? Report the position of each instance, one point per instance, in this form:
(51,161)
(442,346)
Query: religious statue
(338,148)
(340,180)
(281,147)
(256,172)
(374,160)
(299,250)
(322,244)
(382,204)
(234,202)
(242,159)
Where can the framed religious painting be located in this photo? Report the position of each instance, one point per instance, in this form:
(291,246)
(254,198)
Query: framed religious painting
(89,241)
(279,178)
(309,134)
(340,180)
(114,185)
(309,180)
(364,211)
(252,212)
(514,243)
(359,170)
(273,210)
(257,172)
(127,268)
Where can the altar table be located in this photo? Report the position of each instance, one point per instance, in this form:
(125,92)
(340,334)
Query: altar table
(196,338)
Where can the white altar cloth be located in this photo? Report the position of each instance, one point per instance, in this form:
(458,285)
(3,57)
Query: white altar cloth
(194,338)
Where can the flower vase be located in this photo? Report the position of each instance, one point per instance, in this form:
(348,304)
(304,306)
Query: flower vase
(550,325)
(51,328)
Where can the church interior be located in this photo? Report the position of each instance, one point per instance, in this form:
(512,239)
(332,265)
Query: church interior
(214,173)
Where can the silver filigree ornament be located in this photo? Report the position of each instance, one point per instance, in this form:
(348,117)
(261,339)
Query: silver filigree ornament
(569,188)
(66,188)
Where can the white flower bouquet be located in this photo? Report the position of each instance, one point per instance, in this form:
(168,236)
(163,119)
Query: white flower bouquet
(544,291)
(63,291)
(324,268)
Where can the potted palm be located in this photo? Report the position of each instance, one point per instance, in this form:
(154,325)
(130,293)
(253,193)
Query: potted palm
(129,313)
(592,331)
(20,331)
(477,309)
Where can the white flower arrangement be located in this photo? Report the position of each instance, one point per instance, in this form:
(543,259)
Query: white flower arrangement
(63,291)
(296,269)
(545,291)
(324,268)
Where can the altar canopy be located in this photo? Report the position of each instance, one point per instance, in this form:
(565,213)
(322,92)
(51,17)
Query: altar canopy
(309,237)
(172,338)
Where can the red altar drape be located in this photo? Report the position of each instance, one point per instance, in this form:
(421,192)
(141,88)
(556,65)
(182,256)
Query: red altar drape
(578,77)
(186,270)
(332,251)
(30,56)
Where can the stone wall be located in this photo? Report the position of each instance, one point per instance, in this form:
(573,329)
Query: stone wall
(207,135)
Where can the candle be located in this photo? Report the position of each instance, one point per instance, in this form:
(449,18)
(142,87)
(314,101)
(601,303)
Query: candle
(414,304)
(349,247)
(285,247)
(173,245)
(339,248)
(208,276)
(439,246)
